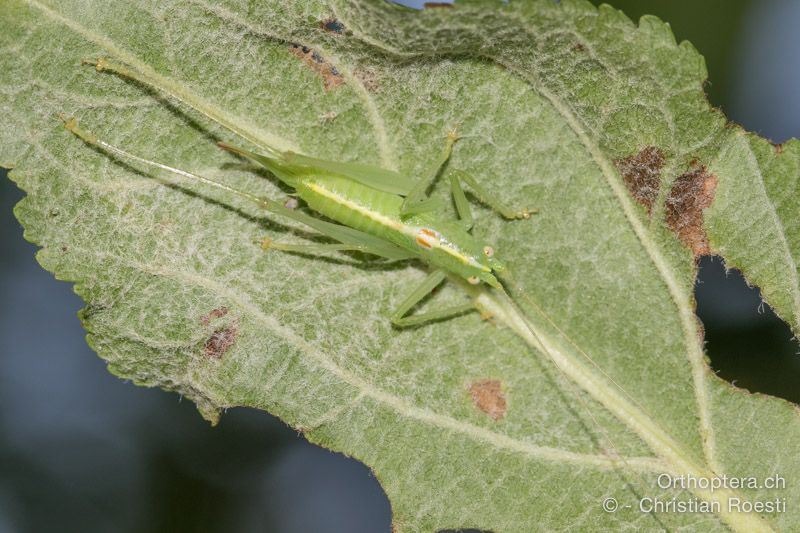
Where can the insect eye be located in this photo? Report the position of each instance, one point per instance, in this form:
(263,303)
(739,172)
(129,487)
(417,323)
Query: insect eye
(473,280)
(488,251)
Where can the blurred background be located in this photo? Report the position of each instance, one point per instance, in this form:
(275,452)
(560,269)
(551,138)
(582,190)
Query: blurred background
(81,450)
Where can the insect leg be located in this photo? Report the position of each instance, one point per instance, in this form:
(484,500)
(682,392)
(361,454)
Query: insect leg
(423,289)
(349,240)
(462,205)
(268,244)
(419,193)
(489,199)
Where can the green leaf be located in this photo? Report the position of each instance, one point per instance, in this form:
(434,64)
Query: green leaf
(599,123)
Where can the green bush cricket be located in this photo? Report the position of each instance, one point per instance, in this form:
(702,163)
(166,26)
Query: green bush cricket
(377,211)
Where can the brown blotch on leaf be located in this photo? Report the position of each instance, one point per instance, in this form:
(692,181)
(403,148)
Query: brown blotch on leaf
(214,313)
(642,175)
(332,25)
(434,5)
(701,330)
(578,47)
(488,396)
(691,192)
(368,79)
(331,77)
(221,341)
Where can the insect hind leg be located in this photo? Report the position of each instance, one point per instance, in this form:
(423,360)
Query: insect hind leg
(348,238)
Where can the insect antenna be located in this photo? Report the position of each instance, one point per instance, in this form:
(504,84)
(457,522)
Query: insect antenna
(149,78)
(615,456)
(265,203)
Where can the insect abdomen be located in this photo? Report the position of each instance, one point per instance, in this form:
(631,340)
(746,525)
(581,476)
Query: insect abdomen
(353,204)
(375,212)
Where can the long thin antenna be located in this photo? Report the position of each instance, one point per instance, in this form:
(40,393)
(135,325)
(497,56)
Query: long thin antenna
(196,102)
(615,456)
(72,125)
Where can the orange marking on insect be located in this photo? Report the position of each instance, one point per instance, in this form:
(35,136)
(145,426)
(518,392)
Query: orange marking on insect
(427,238)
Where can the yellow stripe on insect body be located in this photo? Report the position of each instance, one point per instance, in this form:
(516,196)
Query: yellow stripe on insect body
(361,209)
(426,238)
(429,239)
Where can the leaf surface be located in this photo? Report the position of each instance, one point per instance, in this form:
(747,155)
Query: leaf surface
(591,383)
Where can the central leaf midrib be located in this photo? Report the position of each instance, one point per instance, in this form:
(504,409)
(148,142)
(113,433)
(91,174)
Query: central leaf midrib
(679,297)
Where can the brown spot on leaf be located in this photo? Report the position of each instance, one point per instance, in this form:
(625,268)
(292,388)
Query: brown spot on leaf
(368,79)
(691,192)
(331,77)
(701,330)
(578,47)
(214,313)
(642,175)
(221,341)
(488,396)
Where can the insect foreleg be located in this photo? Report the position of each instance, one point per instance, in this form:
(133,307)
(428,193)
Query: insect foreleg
(416,198)
(486,197)
(421,291)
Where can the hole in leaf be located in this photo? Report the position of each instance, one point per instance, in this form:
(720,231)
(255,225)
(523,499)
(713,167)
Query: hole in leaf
(747,343)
